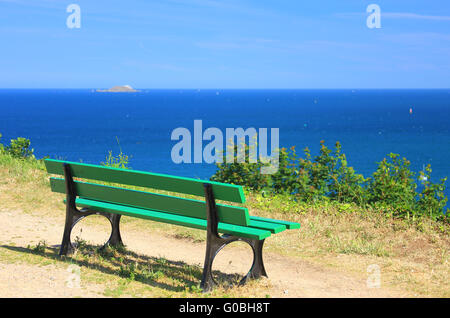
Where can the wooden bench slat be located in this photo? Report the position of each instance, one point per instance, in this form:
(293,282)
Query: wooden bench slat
(289,225)
(249,232)
(222,191)
(272,227)
(159,202)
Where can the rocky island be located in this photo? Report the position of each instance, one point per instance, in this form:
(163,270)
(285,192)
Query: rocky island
(119,89)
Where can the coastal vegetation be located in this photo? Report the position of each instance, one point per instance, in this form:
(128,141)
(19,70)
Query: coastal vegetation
(393,189)
(18,148)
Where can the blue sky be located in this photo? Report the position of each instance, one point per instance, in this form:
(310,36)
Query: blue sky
(225,44)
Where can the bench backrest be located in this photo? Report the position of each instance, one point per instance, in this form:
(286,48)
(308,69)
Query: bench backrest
(154,201)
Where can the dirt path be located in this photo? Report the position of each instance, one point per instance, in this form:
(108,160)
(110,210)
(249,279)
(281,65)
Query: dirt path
(289,277)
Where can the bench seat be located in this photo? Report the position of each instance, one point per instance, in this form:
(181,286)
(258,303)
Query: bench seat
(287,224)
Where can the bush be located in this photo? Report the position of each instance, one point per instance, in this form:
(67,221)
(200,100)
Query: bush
(120,161)
(431,201)
(18,148)
(327,177)
(246,174)
(308,179)
(346,185)
(330,176)
(393,184)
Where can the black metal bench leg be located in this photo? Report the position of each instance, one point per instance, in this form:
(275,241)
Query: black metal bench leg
(257,270)
(66,245)
(215,242)
(115,238)
(72,218)
(72,214)
(207,282)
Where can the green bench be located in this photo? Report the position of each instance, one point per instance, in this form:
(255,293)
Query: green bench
(233,222)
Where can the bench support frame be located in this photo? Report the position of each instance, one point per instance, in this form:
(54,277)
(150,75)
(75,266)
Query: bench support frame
(73,216)
(216,242)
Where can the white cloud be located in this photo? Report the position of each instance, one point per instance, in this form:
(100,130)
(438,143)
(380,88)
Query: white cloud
(408,15)
(396,15)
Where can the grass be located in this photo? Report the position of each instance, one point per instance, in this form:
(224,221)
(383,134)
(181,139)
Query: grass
(413,254)
(39,248)
(124,273)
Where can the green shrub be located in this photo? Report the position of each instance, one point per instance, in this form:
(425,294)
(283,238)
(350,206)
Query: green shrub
(120,161)
(327,177)
(241,173)
(19,148)
(346,185)
(393,184)
(308,179)
(330,176)
(431,201)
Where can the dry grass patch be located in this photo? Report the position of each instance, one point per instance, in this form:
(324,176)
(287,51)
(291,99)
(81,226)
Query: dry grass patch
(411,254)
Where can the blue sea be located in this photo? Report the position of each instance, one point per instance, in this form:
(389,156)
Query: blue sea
(84,125)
